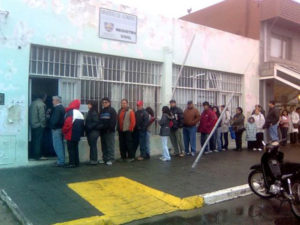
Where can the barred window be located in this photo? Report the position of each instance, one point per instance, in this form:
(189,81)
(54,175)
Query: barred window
(201,85)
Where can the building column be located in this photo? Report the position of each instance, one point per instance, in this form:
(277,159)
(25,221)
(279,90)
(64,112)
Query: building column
(167,83)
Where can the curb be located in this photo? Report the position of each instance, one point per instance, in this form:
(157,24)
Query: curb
(226,194)
(14,208)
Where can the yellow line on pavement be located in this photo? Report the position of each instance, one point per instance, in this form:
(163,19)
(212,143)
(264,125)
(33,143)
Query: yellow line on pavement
(122,200)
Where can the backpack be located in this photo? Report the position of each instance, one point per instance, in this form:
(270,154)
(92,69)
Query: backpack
(171,124)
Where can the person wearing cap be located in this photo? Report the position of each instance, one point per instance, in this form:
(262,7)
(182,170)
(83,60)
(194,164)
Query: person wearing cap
(56,123)
(126,124)
(107,128)
(176,129)
(142,120)
(191,117)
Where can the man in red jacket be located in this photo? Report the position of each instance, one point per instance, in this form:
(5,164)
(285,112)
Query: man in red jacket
(207,122)
(73,130)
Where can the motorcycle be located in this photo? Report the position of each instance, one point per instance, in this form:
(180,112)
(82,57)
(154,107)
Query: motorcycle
(273,178)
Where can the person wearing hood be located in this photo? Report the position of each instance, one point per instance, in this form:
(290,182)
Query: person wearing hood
(251,130)
(73,130)
(92,132)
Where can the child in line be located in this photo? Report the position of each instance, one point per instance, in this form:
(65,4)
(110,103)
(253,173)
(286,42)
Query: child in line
(251,134)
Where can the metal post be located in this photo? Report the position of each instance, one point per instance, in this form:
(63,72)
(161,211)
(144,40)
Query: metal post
(211,133)
(184,61)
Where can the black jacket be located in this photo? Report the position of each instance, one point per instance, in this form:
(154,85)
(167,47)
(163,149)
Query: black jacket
(92,121)
(272,117)
(108,120)
(57,117)
(142,120)
(165,125)
(178,117)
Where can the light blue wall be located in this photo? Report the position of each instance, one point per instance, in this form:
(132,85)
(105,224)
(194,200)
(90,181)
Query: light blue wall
(73,24)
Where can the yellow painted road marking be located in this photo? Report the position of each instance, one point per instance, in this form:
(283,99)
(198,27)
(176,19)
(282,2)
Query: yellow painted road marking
(122,200)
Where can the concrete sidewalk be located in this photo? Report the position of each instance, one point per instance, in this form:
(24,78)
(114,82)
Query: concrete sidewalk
(43,196)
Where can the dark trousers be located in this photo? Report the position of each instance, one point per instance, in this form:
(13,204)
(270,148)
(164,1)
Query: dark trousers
(203,139)
(142,143)
(212,141)
(284,133)
(108,146)
(126,143)
(238,140)
(92,138)
(225,142)
(73,152)
(293,137)
(36,142)
(259,140)
(251,145)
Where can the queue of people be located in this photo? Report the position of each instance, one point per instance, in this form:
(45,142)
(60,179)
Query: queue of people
(134,129)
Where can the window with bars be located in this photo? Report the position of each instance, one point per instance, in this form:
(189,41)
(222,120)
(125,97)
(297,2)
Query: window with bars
(201,85)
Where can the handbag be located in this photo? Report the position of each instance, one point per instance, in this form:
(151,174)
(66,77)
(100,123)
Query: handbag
(232,133)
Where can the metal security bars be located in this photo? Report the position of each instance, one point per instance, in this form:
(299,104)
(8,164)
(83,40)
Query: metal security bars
(95,76)
(201,85)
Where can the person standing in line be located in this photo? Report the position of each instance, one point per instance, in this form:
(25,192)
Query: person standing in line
(207,122)
(225,123)
(260,109)
(191,117)
(165,132)
(92,132)
(149,127)
(272,120)
(176,129)
(217,133)
(126,124)
(107,128)
(37,121)
(259,121)
(251,131)
(142,120)
(56,123)
(293,125)
(238,125)
(284,123)
(73,130)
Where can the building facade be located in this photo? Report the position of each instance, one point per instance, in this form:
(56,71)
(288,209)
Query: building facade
(276,23)
(59,48)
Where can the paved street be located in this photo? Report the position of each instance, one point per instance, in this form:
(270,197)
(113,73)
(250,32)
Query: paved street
(43,194)
(250,210)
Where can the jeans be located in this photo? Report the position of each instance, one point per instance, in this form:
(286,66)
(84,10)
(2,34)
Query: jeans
(165,153)
(273,132)
(58,145)
(176,140)
(148,136)
(36,141)
(189,137)
(108,146)
(219,136)
(203,139)
(92,138)
(225,137)
(73,152)
(212,141)
(142,143)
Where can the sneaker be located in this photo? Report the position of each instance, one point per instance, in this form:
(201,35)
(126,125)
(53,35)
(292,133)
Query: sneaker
(130,160)
(108,163)
(259,149)
(140,158)
(43,158)
(165,159)
(216,151)
(254,149)
(188,154)
(181,155)
(193,154)
(224,150)
(102,161)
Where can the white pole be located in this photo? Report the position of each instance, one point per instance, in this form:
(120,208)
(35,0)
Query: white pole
(184,61)
(212,132)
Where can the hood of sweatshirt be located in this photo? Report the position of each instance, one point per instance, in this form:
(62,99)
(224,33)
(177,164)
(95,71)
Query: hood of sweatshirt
(73,105)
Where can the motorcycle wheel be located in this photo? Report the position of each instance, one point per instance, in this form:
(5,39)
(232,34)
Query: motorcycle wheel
(295,204)
(257,184)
